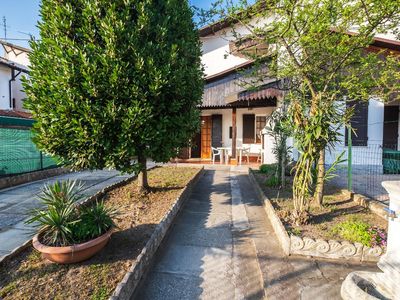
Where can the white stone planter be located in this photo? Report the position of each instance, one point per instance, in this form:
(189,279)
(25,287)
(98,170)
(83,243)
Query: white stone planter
(386,285)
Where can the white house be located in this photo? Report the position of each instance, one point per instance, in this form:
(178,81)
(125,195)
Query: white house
(233,117)
(13,64)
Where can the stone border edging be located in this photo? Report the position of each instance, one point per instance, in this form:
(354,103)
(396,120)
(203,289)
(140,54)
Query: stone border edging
(14,180)
(88,200)
(314,247)
(127,287)
(375,206)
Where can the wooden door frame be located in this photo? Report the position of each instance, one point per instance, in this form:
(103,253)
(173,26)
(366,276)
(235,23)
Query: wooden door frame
(206,139)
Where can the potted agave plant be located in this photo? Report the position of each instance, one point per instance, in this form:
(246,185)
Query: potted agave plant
(68,232)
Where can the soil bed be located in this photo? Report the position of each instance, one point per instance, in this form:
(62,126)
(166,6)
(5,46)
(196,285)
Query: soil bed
(338,207)
(28,276)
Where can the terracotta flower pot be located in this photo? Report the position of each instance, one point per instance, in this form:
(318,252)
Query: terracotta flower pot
(72,254)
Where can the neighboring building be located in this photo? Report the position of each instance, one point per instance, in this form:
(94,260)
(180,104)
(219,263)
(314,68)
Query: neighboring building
(14,64)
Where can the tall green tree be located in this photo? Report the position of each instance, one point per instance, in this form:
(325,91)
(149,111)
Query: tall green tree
(319,48)
(113,83)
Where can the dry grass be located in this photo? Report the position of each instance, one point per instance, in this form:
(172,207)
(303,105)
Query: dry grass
(29,276)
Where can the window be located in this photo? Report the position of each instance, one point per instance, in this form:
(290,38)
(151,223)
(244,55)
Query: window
(261,121)
(248,129)
(252,125)
(359,123)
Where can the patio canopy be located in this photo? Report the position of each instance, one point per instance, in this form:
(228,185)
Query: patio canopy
(267,93)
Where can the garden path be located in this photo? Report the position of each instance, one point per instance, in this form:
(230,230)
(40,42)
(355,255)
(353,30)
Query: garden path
(222,246)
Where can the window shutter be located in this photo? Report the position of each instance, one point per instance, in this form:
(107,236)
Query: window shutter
(216,134)
(248,129)
(359,123)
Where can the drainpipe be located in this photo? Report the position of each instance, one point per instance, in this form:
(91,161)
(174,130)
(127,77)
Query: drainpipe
(13,77)
(10,86)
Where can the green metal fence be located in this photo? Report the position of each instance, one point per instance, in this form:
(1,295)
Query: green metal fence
(18,154)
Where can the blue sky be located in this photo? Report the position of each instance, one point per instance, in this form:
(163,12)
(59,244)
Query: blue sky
(22,16)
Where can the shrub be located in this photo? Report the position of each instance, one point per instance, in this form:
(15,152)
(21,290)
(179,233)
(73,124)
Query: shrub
(94,221)
(355,230)
(61,222)
(267,169)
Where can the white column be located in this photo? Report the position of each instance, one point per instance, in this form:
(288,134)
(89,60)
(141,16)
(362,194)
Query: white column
(269,143)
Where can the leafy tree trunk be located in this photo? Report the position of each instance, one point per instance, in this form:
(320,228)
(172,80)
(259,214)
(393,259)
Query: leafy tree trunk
(301,183)
(143,184)
(319,189)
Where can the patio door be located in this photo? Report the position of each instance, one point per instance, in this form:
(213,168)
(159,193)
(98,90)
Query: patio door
(206,127)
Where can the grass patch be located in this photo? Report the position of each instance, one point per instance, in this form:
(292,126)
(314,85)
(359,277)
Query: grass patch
(356,230)
(353,230)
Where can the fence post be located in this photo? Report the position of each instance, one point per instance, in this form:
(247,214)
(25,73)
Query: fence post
(349,160)
(41,160)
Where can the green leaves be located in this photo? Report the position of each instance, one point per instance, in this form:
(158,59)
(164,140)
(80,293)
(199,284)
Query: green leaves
(93,221)
(59,215)
(111,80)
(62,222)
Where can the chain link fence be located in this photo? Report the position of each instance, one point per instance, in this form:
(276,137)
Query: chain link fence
(364,168)
(18,154)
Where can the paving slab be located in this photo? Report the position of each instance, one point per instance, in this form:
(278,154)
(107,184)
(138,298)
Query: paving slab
(185,234)
(13,238)
(172,287)
(204,207)
(7,220)
(22,207)
(194,260)
(4,253)
(205,220)
(10,201)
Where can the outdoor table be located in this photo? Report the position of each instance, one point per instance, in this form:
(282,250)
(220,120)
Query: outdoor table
(240,150)
(224,156)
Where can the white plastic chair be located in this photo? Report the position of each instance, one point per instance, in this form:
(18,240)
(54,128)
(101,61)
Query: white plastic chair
(215,152)
(260,156)
(246,152)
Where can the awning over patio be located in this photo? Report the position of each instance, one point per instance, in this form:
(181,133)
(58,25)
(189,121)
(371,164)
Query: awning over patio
(267,93)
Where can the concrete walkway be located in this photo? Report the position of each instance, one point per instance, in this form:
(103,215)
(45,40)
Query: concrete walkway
(16,201)
(222,246)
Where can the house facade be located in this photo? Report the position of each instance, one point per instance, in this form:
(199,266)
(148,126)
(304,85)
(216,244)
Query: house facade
(233,116)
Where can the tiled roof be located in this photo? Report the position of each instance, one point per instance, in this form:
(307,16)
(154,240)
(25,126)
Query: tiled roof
(15,114)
